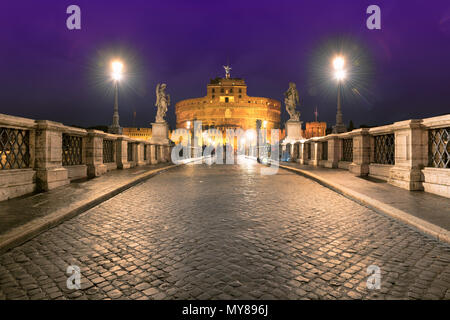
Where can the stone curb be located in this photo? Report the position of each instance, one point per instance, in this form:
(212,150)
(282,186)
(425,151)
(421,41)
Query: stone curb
(21,234)
(420,224)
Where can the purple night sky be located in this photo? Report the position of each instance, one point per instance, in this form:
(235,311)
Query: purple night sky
(50,72)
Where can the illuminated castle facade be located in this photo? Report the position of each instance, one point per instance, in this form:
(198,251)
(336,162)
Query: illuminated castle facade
(227,105)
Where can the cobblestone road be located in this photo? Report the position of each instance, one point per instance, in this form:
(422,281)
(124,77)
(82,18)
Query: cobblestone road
(226,232)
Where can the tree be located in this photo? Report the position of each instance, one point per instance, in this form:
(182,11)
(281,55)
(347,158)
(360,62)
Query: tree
(351,126)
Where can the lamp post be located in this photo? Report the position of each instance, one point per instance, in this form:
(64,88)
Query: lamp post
(339,74)
(188,127)
(265,138)
(258,132)
(116,75)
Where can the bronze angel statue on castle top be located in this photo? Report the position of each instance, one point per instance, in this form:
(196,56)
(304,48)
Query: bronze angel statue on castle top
(162,102)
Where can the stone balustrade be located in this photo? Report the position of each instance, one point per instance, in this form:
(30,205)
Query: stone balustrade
(411,154)
(40,155)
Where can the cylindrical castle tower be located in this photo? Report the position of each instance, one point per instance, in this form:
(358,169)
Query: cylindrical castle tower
(227,106)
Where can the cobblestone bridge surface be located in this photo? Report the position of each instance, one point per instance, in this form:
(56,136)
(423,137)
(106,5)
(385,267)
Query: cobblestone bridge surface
(227,232)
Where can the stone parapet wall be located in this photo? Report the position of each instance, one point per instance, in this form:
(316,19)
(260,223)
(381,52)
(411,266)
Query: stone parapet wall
(411,154)
(40,155)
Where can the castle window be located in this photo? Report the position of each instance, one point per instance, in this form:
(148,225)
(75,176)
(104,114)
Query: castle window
(231,90)
(221,90)
(213,96)
(240,90)
(226,99)
(240,96)
(213,90)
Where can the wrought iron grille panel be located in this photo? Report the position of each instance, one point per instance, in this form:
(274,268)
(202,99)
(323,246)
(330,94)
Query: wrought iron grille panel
(130,151)
(347,150)
(71,150)
(108,151)
(384,151)
(325,150)
(14,148)
(308,150)
(439,148)
(145,151)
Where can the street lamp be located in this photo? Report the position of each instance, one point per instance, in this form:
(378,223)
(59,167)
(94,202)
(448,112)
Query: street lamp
(265,134)
(339,74)
(117,68)
(258,132)
(188,127)
(116,75)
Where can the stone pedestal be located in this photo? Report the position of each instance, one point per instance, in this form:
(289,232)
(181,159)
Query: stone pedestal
(160,137)
(115,129)
(160,133)
(94,153)
(293,130)
(411,144)
(361,152)
(48,152)
(339,128)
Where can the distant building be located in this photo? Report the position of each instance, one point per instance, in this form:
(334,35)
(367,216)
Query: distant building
(138,133)
(315,129)
(225,106)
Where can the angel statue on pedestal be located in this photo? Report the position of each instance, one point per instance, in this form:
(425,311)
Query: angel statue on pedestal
(162,102)
(291,100)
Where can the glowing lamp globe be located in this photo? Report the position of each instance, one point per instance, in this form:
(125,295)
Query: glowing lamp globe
(338,63)
(117,68)
(340,75)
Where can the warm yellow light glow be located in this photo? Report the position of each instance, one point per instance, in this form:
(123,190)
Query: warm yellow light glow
(188,125)
(340,75)
(250,135)
(265,123)
(116,76)
(117,68)
(338,63)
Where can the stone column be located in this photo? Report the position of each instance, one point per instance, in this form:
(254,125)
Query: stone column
(94,153)
(334,151)
(153,157)
(168,153)
(148,153)
(140,154)
(303,153)
(361,152)
(316,153)
(134,152)
(410,155)
(288,151)
(50,173)
(122,153)
(295,151)
(161,153)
